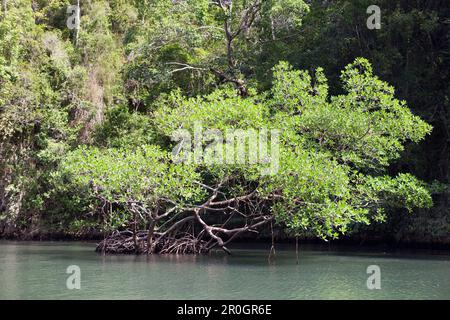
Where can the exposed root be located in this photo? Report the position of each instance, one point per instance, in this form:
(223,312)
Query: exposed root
(123,243)
(175,229)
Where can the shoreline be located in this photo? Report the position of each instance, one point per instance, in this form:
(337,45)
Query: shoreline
(354,242)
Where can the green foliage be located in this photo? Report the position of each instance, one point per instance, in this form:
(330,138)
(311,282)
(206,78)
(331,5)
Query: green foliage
(88,115)
(338,144)
(410,51)
(122,128)
(141,174)
(222,110)
(332,149)
(366,128)
(120,176)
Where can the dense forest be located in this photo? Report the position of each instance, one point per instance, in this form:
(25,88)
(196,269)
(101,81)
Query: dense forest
(91,111)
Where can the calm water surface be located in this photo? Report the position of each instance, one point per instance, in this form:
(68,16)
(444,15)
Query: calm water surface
(38,271)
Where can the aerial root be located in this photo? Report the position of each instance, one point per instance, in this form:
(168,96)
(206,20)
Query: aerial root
(122,242)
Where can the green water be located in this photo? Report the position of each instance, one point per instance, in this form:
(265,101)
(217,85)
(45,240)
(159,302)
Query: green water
(38,271)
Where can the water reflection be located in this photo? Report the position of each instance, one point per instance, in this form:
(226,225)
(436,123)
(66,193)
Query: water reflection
(37,271)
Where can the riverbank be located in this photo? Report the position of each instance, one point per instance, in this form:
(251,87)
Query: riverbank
(353,241)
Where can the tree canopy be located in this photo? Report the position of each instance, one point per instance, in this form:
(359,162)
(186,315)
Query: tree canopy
(91,119)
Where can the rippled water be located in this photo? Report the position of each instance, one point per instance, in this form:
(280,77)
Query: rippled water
(38,271)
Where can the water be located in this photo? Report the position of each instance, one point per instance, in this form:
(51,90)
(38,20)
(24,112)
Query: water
(38,271)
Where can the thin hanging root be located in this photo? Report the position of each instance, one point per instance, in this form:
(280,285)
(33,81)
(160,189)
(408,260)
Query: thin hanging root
(272,248)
